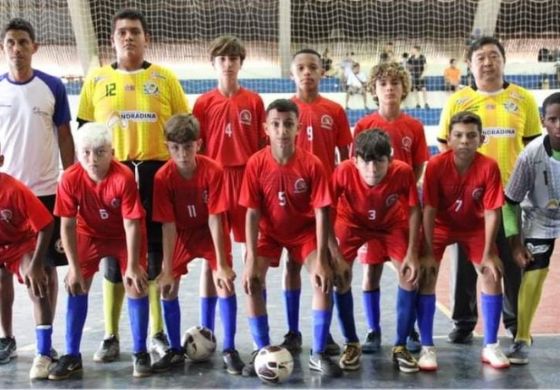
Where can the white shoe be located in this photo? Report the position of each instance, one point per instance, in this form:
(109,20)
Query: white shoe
(492,354)
(40,367)
(427,361)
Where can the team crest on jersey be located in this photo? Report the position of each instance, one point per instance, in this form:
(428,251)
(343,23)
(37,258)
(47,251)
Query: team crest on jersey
(205,196)
(6,215)
(477,193)
(300,186)
(391,199)
(327,122)
(150,88)
(406,143)
(115,203)
(245,117)
(510,106)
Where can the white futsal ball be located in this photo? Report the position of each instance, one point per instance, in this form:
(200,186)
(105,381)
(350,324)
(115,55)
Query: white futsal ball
(274,364)
(199,343)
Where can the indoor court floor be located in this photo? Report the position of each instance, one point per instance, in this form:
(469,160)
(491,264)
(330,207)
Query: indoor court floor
(459,365)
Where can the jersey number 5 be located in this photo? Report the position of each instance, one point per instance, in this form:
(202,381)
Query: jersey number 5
(282,198)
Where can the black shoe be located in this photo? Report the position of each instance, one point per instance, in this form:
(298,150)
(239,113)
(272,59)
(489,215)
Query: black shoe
(413,343)
(8,349)
(332,348)
(66,366)
(142,364)
(249,368)
(372,343)
(232,362)
(460,336)
(322,363)
(292,342)
(172,358)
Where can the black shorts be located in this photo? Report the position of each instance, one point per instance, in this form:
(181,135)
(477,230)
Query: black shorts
(146,173)
(55,253)
(418,83)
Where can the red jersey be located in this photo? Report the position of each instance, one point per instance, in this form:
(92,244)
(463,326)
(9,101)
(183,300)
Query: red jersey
(285,195)
(323,127)
(22,214)
(99,207)
(380,207)
(231,127)
(406,133)
(188,202)
(460,200)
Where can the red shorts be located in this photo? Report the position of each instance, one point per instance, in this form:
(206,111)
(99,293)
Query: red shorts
(11,255)
(92,249)
(192,244)
(471,242)
(233,177)
(381,245)
(299,249)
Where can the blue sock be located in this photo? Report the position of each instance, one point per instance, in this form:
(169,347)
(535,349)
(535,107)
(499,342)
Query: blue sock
(426,310)
(371,308)
(172,316)
(76,313)
(345,306)
(291,305)
(43,333)
(259,330)
(228,314)
(406,302)
(208,312)
(491,311)
(321,325)
(138,314)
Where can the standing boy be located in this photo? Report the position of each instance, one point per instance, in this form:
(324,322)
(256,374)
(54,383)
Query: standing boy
(377,203)
(188,202)
(534,187)
(462,199)
(25,231)
(323,130)
(231,130)
(286,192)
(101,215)
(136,97)
(389,84)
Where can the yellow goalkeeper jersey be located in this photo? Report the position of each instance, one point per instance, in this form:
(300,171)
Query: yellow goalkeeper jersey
(508,116)
(136,105)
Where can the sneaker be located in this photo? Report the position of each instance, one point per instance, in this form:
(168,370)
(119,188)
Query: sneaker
(493,355)
(66,366)
(8,349)
(332,348)
(427,361)
(108,351)
(249,368)
(322,363)
(292,342)
(413,343)
(372,343)
(142,365)
(460,336)
(350,358)
(40,367)
(172,358)
(232,362)
(404,360)
(519,353)
(159,344)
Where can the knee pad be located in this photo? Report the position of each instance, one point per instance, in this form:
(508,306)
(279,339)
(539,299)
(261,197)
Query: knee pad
(112,270)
